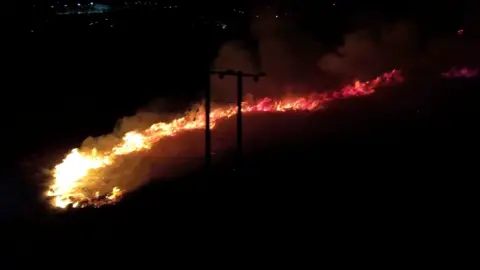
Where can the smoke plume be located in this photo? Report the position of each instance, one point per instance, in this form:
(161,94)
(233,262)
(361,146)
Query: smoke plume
(169,158)
(285,53)
(296,62)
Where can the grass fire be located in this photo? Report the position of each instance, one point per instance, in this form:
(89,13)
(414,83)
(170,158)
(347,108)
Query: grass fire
(78,179)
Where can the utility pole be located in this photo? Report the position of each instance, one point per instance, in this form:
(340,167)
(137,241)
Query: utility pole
(208,140)
(239,75)
(239,118)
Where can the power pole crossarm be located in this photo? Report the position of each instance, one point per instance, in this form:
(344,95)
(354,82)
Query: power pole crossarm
(221,74)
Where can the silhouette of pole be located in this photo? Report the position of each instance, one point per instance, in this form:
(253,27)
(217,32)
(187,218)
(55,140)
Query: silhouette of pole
(208,140)
(240,75)
(239,119)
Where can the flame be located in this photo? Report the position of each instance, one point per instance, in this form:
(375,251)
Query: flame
(71,184)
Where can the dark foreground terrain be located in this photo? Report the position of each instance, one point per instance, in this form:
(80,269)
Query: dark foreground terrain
(395,167)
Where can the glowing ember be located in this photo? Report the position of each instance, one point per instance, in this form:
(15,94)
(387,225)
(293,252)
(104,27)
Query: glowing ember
(72,182)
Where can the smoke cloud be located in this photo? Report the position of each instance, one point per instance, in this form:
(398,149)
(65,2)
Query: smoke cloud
(295,62)
(285,53)
(363,54)
(170,157)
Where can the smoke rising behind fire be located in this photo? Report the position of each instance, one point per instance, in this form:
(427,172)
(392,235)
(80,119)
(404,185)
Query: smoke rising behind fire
(169,158)
(296,62)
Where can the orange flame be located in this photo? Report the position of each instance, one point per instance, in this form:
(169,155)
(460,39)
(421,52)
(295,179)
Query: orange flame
(70,178)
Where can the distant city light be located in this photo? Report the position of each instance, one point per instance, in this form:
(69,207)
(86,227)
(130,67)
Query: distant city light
(91,8)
